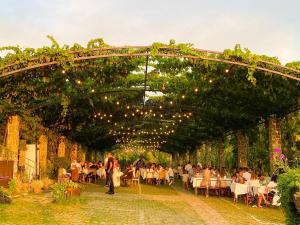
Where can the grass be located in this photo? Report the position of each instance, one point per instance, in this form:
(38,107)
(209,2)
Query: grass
(94,207)
(156,205)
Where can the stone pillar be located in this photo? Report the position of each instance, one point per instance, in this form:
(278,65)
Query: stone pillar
(74,151)
(13,139)
(43,149)
(221,155)
(242,148)
(274,135)
(81,154)
(181,158)
(197,154)
(208,154)
(22,154)
(61,147)
(192,158)
(173,157)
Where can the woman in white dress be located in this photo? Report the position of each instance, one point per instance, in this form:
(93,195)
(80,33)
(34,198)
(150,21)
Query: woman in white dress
(149,175)
(116,176)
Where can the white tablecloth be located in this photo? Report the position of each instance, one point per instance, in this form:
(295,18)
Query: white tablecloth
(239,189)
(196,181)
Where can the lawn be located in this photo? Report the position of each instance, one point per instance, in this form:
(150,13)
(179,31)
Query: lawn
(130,205)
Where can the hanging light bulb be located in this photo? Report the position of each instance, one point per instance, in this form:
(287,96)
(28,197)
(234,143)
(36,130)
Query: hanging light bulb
(182,96)
(210,81)
(93,90)
(227,70)
(196,89)
(105,97)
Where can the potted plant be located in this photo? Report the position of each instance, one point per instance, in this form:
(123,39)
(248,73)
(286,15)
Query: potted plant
(47,182)
(73,188)
(37,186)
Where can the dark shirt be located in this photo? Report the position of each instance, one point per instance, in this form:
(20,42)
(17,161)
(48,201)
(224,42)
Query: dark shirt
(110,161)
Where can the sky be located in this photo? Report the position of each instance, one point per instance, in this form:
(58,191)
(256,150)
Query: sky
(269,27)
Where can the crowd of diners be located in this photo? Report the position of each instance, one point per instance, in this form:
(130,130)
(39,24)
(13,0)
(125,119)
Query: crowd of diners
(261,188)
(155,174)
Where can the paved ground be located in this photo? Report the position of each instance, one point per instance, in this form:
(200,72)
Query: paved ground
(142,205)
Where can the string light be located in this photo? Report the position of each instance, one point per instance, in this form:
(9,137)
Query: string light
(196,90)
(105,97)
(227,70)
(210,80)
(183,96)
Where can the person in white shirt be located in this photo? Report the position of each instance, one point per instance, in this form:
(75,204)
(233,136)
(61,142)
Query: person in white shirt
(171,175)
(246,174)
(188,167)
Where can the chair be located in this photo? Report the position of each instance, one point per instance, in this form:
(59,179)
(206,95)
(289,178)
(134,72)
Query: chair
(136,179)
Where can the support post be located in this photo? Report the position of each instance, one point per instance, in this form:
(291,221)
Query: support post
(221,155)
(207,154)
(242,146)
(61,147)
(274,131)
(13,139)
(43,150)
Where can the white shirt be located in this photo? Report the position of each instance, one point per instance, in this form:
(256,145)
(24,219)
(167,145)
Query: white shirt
(171,172)
(188,167)
(247,176)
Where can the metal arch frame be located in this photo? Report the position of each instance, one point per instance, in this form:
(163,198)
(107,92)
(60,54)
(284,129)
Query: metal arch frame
(140,51)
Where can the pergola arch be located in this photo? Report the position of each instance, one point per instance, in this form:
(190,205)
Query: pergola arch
(38,66)
(141,51)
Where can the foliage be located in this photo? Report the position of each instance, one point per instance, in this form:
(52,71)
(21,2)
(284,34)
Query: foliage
(288,184)
(12,186)
(66,97)
(5,195)
(279,161)
(59,191)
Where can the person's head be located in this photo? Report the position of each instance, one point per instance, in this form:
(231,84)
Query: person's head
(109,154)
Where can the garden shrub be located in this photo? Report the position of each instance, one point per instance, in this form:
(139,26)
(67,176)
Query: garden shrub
(288,184)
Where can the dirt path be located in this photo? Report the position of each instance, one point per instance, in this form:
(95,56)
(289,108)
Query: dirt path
(209,215)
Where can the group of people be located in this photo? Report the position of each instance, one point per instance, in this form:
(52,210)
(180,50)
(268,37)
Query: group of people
(157,174)
(259,187)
